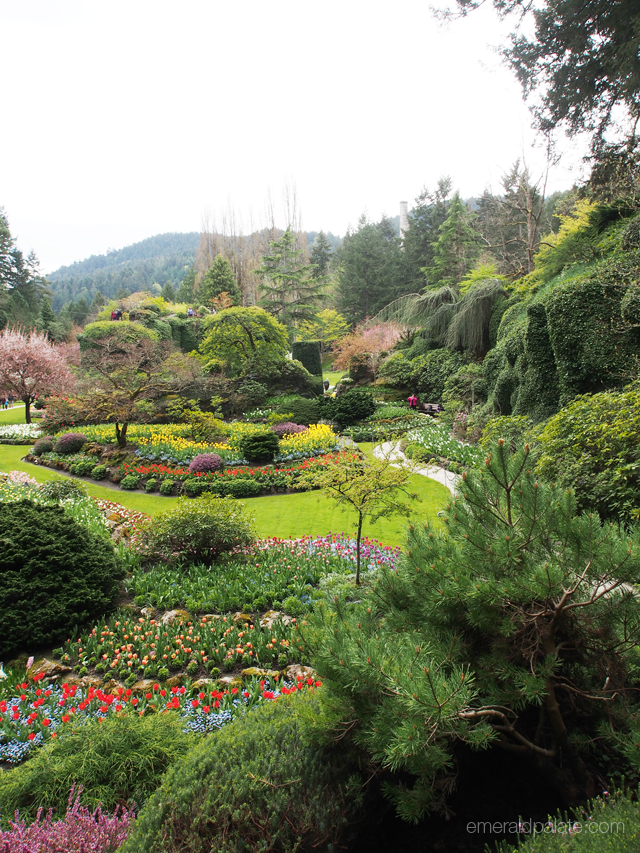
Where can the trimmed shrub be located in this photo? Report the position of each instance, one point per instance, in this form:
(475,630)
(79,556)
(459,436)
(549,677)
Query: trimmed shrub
(288,428)
(242,488)
(167,487)
(54,573)
(308,354)
(593,447)
(196,530)
(302,410)
(70,442)
(150,485)
(594,348)
(260,784)
(354,405)
(42,445)
(631,236)
(194,487)
(99,472)
(129,482)
(205,463)
(62,490)
(117,761)
(82,467)
(260,447)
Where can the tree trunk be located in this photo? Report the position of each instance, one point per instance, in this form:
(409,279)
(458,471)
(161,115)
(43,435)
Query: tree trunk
(360,519)
(578,769)
(27,409)
(121,434)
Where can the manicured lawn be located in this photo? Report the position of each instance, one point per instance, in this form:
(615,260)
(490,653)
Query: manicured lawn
(12,416)
(283,516)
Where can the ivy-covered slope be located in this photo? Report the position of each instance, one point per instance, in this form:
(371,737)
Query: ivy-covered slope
(573,332)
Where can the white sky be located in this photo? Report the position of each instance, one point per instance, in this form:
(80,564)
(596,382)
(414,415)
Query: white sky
(130,118)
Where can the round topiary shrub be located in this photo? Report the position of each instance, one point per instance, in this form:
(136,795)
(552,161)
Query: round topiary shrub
(352,406)
(166,487)
(130,482)
(196,530)
(42,445)
(215,797)
(54,573)
(70,442)
(288,428)
(260,447)
(151,484)
(62,490)
(99,472)
(205,463)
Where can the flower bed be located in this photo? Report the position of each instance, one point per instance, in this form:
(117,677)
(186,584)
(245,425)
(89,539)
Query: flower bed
(172,443)
(37,711)
(19,433)
(270,478)
(277,573)
(437,440)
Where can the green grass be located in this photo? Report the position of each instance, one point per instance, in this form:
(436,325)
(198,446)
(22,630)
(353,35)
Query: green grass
(333,377)
(283,516)
(13,416)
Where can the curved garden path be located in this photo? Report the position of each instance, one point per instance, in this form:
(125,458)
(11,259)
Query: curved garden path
(440,475)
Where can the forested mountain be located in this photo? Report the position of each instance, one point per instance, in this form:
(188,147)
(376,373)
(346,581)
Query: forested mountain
(156,260)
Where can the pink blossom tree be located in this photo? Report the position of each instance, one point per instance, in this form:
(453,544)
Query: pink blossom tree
(31,365)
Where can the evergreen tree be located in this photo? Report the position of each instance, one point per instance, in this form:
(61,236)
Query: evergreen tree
(426,217)
(289,290)
(321,255)
(168,292)
(47,320)
(371,271)
(219,278)
(514,629)
(187,285)
(456,248)
(21,286)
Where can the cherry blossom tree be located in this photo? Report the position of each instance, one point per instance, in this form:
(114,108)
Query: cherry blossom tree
(30,365)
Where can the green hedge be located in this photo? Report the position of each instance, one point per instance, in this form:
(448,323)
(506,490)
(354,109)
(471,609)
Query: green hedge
(308,354)
(594,348)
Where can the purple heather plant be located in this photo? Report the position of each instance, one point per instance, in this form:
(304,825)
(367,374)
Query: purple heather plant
(206,463)
(288,428)
(79,831)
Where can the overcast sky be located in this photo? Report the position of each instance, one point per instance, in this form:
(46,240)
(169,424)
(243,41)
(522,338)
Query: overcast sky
(130,118)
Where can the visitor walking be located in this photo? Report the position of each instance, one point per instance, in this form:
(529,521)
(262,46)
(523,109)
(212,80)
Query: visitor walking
(413,401)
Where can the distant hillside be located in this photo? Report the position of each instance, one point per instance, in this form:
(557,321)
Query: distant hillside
(165,257)
(156,260)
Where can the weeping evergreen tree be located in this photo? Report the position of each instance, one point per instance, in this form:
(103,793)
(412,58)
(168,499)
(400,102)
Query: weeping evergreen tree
(514,630)
(447,317)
